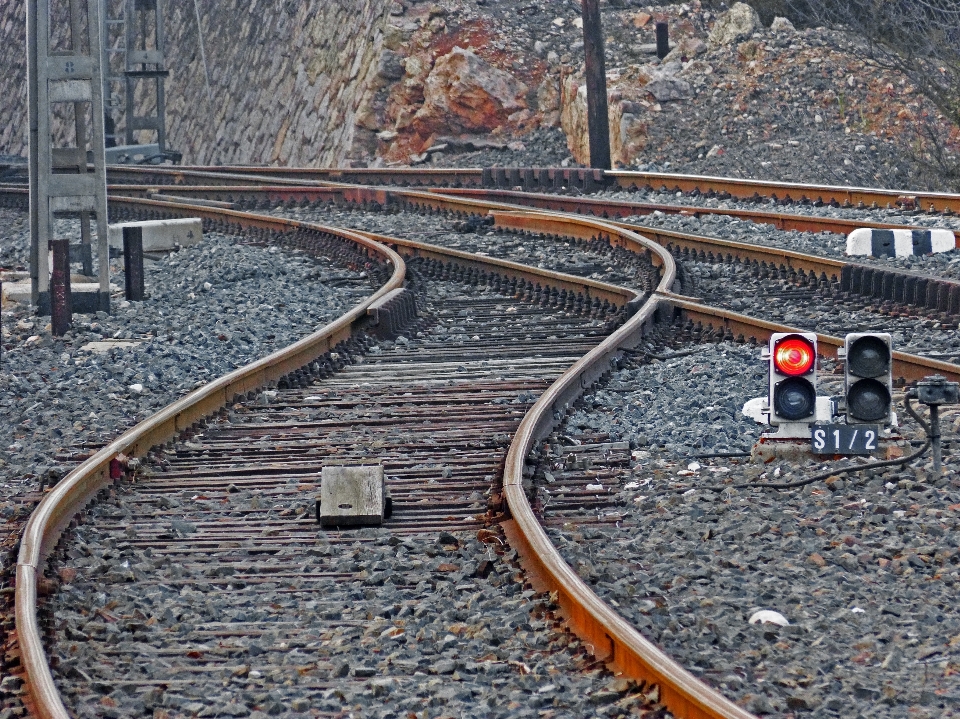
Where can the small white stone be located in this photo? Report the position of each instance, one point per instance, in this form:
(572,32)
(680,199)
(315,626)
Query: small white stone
(753,409)
(207,287)
(694,466)
(594,487)
(817,119)
(857,610)
(768,616)
(559,21)
(631,485)
(136,388)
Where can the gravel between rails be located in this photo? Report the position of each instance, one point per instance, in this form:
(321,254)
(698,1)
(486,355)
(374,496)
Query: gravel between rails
(720,284)
(210,309)
(380,623)
(865,568)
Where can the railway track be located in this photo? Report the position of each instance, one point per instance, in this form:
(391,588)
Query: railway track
(607,635)
(585,180)
(871,279)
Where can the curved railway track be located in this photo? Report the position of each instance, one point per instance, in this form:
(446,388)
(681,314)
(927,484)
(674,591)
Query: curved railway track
(610,637)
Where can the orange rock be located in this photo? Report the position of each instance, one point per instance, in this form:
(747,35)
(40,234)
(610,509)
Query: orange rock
(641,19)
(817,560)
(464,94)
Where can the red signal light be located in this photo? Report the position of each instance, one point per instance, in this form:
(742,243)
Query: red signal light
(794,356)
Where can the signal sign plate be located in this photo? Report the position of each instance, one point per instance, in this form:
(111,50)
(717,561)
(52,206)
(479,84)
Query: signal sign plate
(845,438)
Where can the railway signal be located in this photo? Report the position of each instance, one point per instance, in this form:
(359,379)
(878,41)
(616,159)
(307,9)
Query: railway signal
(868,377)
(792,395)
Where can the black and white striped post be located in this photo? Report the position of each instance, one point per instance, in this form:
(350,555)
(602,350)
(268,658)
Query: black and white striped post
(899,242)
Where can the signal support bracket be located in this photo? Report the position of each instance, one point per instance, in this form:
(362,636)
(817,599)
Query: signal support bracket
(801,430)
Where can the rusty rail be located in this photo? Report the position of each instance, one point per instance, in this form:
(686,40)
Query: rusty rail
(609,208)
(906,367)
(612,638)
(584,179)
(871,280)
(79,487)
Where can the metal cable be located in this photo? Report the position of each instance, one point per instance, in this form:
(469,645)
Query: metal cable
(832,472)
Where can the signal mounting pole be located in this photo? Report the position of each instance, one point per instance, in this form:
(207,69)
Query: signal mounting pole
(596,76)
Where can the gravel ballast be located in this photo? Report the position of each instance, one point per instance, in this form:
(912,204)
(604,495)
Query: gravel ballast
(863,566)
(724,285)
(244,606)
(210,309)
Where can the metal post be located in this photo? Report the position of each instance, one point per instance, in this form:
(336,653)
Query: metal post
(60,304)
(663,40)
(133,263)
(935,443)
(596,75)
(33,120)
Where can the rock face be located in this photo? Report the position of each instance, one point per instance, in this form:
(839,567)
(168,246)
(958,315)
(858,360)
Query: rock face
(738,23)
(627,119)
(285,87)
(464,94)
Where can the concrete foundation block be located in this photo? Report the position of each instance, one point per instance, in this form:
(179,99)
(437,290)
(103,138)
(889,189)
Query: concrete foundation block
(352,496)
(161,235)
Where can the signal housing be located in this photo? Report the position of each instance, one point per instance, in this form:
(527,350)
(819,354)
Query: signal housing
(868,377)
(792,395)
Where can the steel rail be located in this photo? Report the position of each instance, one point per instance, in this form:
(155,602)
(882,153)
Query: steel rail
(872,280)
(613,639)
(744,189)
(614,294)
(906,367)
(610,208)
(78,488)
(788,191)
